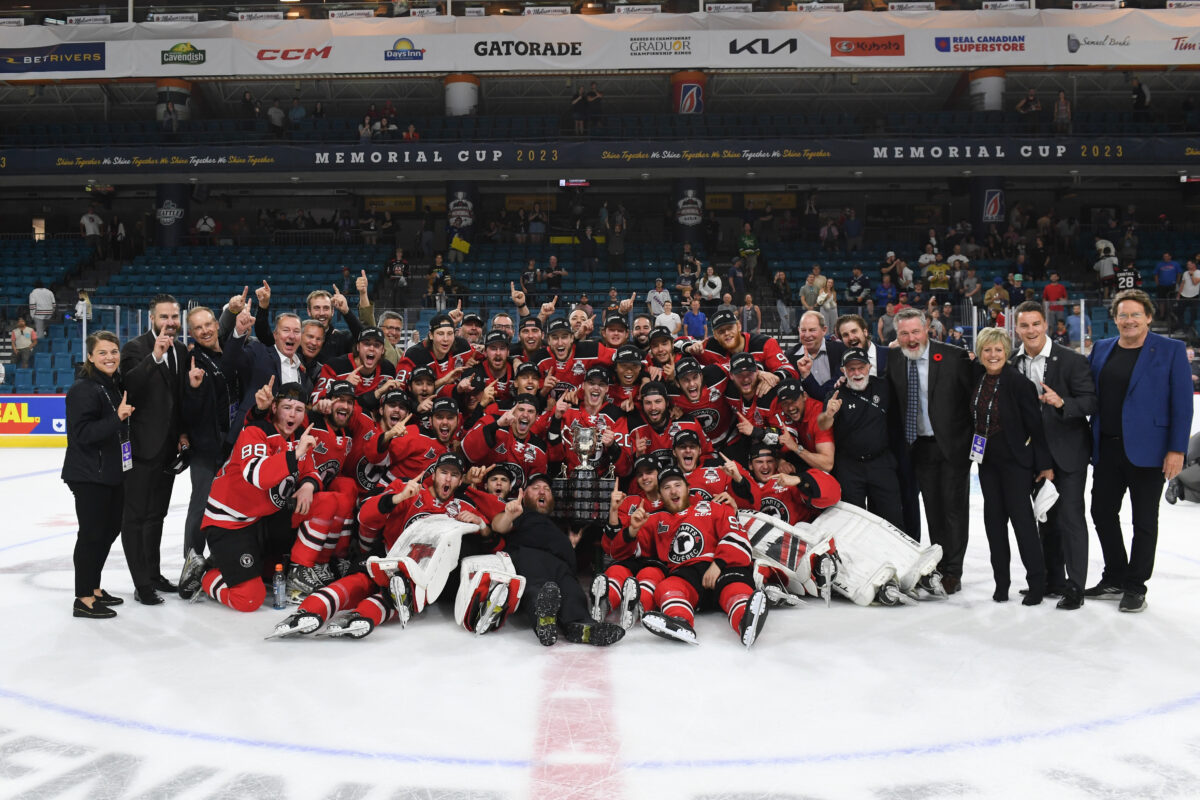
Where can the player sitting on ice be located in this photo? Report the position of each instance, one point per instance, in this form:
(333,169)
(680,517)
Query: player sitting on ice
(627,585)
(708,561)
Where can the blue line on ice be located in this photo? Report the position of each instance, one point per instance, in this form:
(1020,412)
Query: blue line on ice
(29,474)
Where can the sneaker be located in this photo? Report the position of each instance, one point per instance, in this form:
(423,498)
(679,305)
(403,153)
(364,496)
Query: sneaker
(1133,602)
(753,618)
(400,590)
(671,628)
(348,623)
(1104,591)
(545,612)
(599,634)
(599,597)
(631,603)
(302,622)
(194,567)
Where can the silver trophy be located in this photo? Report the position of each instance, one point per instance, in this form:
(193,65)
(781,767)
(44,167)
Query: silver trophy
(586,443)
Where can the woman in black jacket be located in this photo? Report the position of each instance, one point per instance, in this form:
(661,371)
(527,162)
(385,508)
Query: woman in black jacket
(1015,455)
(98,454)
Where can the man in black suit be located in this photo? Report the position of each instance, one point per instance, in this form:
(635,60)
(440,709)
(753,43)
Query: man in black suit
(817,359)
(256,363)
(155,367)
(931,385)
(852,330)
(1068,397)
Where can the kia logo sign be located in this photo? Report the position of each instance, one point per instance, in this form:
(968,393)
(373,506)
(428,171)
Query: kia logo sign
(295,53)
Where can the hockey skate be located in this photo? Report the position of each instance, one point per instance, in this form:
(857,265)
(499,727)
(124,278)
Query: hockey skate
(348,623)
(890,594)
(325,574)
(301,622)
(341,567)
(493,607)
(826,571)
(932,583)
(669,627)
(194,567)
(400,591)
(598,634)
(599,597)
(545,612)
(631,604)
(301,582)
(753,618)
(778,597)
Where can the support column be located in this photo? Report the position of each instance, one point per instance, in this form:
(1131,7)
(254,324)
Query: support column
(175,91)
(462,94)
(170,213)
(687,198)
(987,89)
(687,92)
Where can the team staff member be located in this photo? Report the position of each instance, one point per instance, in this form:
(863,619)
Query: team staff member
(1068,397)
(1139,437)
(94,467)
(155,368)
(862,462)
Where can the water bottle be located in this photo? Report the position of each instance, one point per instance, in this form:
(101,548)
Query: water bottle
(279,585)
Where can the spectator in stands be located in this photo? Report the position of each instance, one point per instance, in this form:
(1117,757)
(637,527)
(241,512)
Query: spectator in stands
(1060,334)
(117,240)
(1076,325)
(807,294)
(997,296)
(782,293)
(711,231)
(588,250)
(553,276)
(392,325)
(885,329)
(972,289)
(657,297)
(695,321)
(727,304)
(249,106)
(579,111)
(384,129)
(366,132)
(41,307)
(24,339)
(296,113)
(710,290)
(1167,274)
(918,297)
(276,119)
(1189,296)
(886,293)
(91,226)
(765,225)
(853,228)
(954,337)
(318,111)
(858,291)
(615,240)
(750,315)
(411,134)
(668,319)
(735,280)
(937,330)
(827,303)
(538,223)
(170,118)
(1029,104)
(83,307)
(748,250)
(594,100)
(1053,293)
(438,284)
(585,306)
(829,235)
(1141,99)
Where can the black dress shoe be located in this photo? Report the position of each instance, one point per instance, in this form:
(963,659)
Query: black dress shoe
(106,599)
(1033,597)
(161,584)
(96,611)
(951,584)
(1001,594)
(147,597)
(1070,602)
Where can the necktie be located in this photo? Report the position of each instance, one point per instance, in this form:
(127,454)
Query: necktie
(171,361)
(912,409)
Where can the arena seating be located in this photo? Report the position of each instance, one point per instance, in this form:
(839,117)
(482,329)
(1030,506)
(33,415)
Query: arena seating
(24,261)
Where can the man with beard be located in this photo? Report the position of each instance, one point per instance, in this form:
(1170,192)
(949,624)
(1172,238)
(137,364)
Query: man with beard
(594,409)
(365,370)
(802,442)
(210,400)
(508,441)
(660,355)
(792,498)
(708,559)
(863,463)
(728,340)
(247,520)
(616,329)
(366,464)
(155,369)
(530,335)
(410,452)
(471,329)
(701,397)
(321,306)
(932,388)
(445,354)
(817,359)
(545,556)
(495,371)
(627,585)
(751,398)
(852,330)
(640,335)
(525,380)
(652,432)
(566,361)
(256,362)
(627,364)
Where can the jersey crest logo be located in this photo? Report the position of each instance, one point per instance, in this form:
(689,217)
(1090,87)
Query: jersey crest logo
(577,368)
(431,454)
(714,394)
(453,507)
(686,544)
(419,502)
(322,449)
(501,449)
(774,507)
(710,474)
(281,492)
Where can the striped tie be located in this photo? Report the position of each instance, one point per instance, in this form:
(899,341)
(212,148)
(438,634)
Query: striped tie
(912,410)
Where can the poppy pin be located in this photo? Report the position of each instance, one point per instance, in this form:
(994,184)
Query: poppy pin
(937,356)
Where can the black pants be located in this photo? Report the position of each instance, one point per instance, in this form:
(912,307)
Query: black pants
(1113,476)
(945,488)
(98,509)
(147,497)
(1006,489)
(910,495)
(201,469)
(539,568)
(1065,533)
(872,485)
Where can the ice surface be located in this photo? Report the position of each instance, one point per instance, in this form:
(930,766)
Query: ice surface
(963,698)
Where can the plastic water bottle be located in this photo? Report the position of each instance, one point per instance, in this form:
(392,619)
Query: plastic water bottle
(279,587)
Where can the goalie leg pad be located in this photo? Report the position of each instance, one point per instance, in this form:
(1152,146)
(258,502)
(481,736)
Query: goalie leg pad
(486,571)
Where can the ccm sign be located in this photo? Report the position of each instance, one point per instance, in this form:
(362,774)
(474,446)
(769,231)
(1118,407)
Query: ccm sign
(295,53)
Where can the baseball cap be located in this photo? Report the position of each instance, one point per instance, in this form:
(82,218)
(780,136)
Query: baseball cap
(652,388)
(448,460)
(855,354)
(395,397)
(472,319)
(670,474)
(1018,278)
(340,389)
(687,366)
(371,333)
(660,333)
(598,373)
(531,322)
(525,398)
(891,254)
(761,451)
(723,318)
(628,354)
(495,337)
(645,462)
(422,373)
(790,390)
(616,318)
(440,321)
(445,405)
(686,436)
(526,366)
(742,362)
(559,325)
(538,476)
(291,391)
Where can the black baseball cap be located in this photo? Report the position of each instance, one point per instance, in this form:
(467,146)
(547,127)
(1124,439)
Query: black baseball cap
(371,333)
(538,476)
(422,373)
(628,354)
(525,398)
(448,460)
(395,397)
(616,318)
(743,362)
(527,366)
(660,333)
(652,388)
(790,390)
(598,373)
(291,391)
(670,474)
(499,469)
(530,322)
(855,354)
(496,337)
(687,366)
(444,404)
(557,325)
(472,319)
(340,389)
(645,462)
(686,436)
(440,321)
(723,318)
(761,451)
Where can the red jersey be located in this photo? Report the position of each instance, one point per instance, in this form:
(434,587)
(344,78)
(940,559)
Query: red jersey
(372,520)
(765,349)
(711,409)
(790,503)
(702,533)
(332,450)
(487,443)
(660,443)
(503,379)
(567,375)
(262,473)
(410,455)
(342,367)
(618,394)
(366,464)
(461,354)
(620,547)
(561,435)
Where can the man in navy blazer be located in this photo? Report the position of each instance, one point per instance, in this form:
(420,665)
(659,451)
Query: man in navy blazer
(817,358)
(256,363)
(852,331)
(1140,435)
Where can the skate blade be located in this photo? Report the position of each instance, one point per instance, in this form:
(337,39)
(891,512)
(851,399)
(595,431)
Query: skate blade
(496,602)
(659,625)
(599,592)
(758,607)
(303,626)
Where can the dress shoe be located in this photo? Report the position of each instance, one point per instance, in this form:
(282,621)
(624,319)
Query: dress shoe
(1033,597)
(951,584)
(1104,591)
(1001,594)
(106,599)
(96,611)
(147,596)
(161,584)
(1070,602)
(1133,602)
(1172,493)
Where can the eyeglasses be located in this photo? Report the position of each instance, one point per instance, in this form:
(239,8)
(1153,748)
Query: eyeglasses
(1134,315)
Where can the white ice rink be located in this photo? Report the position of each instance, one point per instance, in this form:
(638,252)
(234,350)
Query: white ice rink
(963,698)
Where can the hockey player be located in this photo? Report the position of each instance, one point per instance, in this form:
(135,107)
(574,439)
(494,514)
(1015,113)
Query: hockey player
(627,364)
(594,410)
(495,370)
(246,523)
(792,498)
(706,480)
(544,555)
(616,329)
(367,464)
(708,558)
(531,338)
(365,368)
(508,441)
(802,441)
(442,352)
(652,432)
(728,340)
(628,584)
(660,355)
(410,452)
(566,361)
(701,397)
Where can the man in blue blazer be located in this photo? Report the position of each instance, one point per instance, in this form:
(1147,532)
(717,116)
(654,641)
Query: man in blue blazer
(256,363)
(1140,433)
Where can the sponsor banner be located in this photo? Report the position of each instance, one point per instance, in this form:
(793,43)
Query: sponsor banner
(817,8)
(423,12)
(981,43)
(912,6)
(64,57)
(174,17)
(729,8)
(475,11)
(640,9)
(866,46)
(1183,3)
(250,16)
(33,415)
(11,22)
(779,201)
(396,205)
(1007,5)
(90,19)
(547,11)
(1085,5)
(351,13)
(184,53)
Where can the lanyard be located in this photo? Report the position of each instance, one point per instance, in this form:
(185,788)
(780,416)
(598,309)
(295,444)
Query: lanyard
(122,425)
(987,423)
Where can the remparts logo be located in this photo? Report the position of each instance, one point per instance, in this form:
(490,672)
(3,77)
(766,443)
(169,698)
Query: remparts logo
(295,53)
(866,45)
(404,50)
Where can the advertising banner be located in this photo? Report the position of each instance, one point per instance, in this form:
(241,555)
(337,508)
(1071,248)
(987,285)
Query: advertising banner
(38,420)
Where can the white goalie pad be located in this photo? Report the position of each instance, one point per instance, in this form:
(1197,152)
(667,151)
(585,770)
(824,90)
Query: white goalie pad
(786,548)
(427,552)
(873,552)
(479,577)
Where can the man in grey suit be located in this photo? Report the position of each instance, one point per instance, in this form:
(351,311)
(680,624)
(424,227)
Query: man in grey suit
(931,385)
(1068,394)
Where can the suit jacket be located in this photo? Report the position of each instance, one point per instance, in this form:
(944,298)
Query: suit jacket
(883,354)
(950,391)
(1068,432)
(156,395)
(255,364)
(1020,418)
(834,350)
(1156,417)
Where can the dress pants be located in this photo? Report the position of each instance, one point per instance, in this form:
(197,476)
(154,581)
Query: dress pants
(1065,533)
(201,469)
(539,568)
(1006,489)
(945,488)
(98,509)
(1113,476)
(871,485)
(147,497)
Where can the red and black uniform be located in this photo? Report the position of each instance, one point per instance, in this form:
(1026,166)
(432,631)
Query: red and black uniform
(560,434)
(618,394)
(482,375)
(461,354)
(660,440)
(708,480)
(487,443)
(689,542)
(632,558)
(410,454)
(366,464)
(791,504)
(711,409)
(566,375)
(324,531)
(806,432)
(342,367)
(765,349)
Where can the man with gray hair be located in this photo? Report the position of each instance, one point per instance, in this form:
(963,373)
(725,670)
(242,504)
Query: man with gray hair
(931,387)
(817,359)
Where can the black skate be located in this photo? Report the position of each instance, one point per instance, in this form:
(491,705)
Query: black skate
(600,634)
(669,627)
(932,583)
(302,622)
(778,597)
(545,612)
(890,594)
(753,618)
(631,604)
(350,624)
(194,567)
(301,582)
(599,597)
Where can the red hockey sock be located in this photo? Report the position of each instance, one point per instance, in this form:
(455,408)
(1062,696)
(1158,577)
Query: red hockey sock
(733,602)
